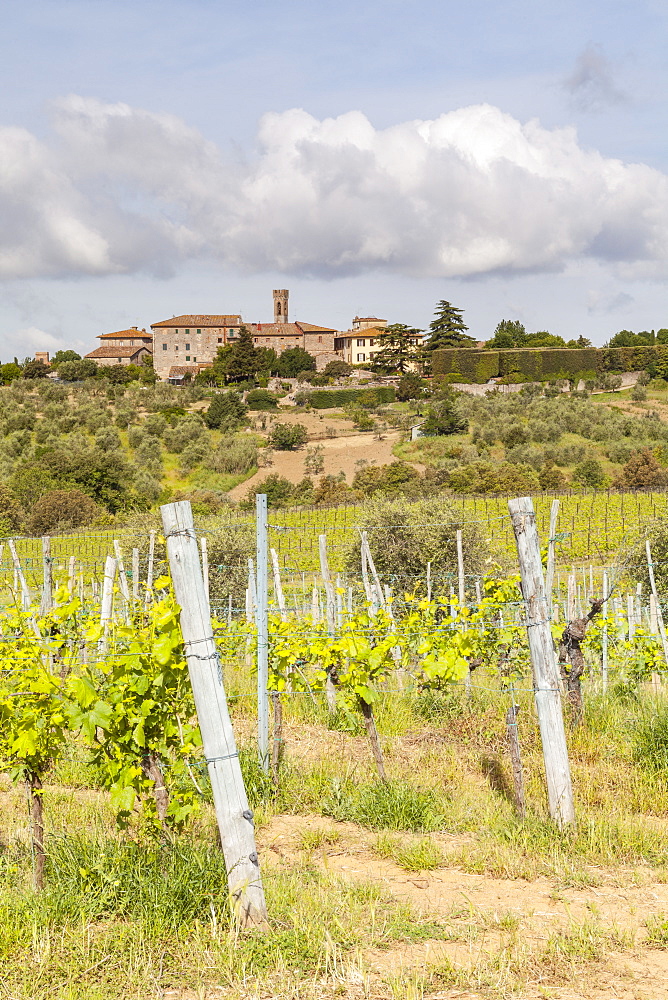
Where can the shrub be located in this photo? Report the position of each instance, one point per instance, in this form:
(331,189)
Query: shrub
(288,437)
(62,510)
(226,410)
(261,399)
(551,478)
(642,472)
(332,490)
(590,473)
(235,454)
(493,477)
(337,369)
(403,538)
(77,371)
(323,399)
(11,513)
(397,477)
(186,431)
(278,489)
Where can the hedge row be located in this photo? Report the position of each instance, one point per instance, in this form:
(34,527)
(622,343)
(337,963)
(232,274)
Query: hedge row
(324,399)
(539,364)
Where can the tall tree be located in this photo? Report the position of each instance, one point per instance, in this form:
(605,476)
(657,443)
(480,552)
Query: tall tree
(399,348)
(448,329)
(509,333)
(242,360)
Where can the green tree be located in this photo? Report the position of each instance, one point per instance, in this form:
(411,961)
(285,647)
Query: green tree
(443,416)
(227,410)
(35,369)
(590,473)
(398,348)
(410,386)
(288,437)
(242,359)
(77,371)
(293,361)
(61,356)
(9,372)
(62,510)
(642,472)
(337,369)
(447,329)
(11,514)
(267,361)
(508,333)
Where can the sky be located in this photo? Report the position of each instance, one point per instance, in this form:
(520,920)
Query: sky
(160,158)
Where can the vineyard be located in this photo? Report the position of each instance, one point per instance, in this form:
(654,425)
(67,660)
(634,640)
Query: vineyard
(359,738)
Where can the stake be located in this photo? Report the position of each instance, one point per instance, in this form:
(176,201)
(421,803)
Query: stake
(262,628)
(107,601)
(135,575)
(149,572)
(70,574)
(659,612)
(604,636)
(330,691)
(551,548)
(546,678)
(516,759)
(278,589)
(235,819)
(205,566)
(20,578)
(122,578)
(47,576)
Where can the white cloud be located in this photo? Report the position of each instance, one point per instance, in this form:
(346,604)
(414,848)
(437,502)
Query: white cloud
(470,193)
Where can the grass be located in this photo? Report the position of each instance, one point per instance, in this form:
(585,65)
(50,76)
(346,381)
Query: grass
(129,917)
(415,856)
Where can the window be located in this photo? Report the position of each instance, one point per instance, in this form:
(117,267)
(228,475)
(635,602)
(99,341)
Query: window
(164,347)
(199,331)
(120,361)
(220,340)
(187,333)
(361,357)
(187,357)
(371,342)
(176,347)
(187,347)
(361,343)
(194,359)
(320,340)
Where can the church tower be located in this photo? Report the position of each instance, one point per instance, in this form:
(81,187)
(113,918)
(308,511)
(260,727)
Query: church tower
(281,305)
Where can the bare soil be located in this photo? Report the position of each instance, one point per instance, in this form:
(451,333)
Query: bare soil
(486,914)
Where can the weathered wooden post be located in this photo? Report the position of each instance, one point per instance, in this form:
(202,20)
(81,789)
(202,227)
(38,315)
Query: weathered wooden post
(551,551)
(659,612)
(235,819)
(545,674)
(149,570)
(20,579)
(106,606)
(516,759)
(330,605)
(205,566)
(262,629)
(47,576)
(604,636)
(135,575)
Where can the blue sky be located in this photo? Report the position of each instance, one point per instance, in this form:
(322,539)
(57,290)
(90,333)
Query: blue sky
(152,162)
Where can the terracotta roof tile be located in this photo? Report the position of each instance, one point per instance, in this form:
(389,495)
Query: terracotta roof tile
(183,370)
(310,328)
(199,321)
(115,352)
(275,330)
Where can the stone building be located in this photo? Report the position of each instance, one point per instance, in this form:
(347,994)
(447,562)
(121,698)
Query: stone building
(188,342)
(124,347)
(359,345)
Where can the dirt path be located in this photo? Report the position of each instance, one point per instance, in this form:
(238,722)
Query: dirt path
(490,917)
(340,454)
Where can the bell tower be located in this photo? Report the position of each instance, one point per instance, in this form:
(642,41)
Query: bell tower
(281,305)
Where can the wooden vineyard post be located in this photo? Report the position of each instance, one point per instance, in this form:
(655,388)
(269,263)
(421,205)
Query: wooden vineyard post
(107,601)
(262,629)
(516,759)
(659,612)
(149,571)
(135,575)
(604,637)
(545,675)
(235,819)
(47,576)
(330,600)
(25,592)
(205,566)
(551,548)
(461,587)
(71,567)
